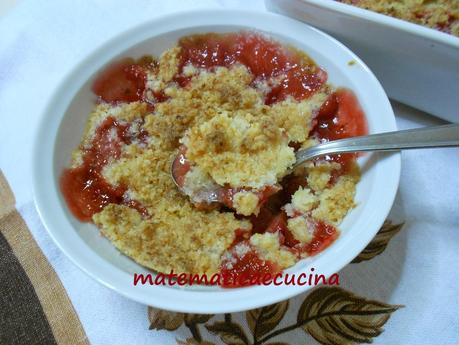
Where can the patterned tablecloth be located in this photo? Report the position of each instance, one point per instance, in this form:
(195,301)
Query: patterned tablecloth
(404,282)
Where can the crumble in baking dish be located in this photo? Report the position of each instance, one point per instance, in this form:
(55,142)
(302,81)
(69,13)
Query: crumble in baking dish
(442,15)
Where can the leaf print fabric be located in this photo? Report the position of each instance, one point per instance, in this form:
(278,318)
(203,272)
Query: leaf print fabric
(330,315)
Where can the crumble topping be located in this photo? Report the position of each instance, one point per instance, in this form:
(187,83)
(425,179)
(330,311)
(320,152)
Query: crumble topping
(301,229)
(240,150)
(246,203)
(336,200)
(303,200)
(269,248)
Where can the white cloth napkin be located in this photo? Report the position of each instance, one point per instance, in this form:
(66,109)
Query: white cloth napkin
(41,40)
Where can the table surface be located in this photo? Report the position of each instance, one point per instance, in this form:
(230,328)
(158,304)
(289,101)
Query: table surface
(40,41)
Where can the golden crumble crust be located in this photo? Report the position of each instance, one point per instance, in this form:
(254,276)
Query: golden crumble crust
(240,150)
(334,202)
(300,228)
(267,245)
(296,117)
(246,203)
(180,239)
(227,89)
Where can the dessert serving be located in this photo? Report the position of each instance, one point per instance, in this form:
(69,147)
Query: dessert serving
(442,15)
(225,113)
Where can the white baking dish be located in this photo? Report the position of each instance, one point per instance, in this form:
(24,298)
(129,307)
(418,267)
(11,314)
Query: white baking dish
(416,65)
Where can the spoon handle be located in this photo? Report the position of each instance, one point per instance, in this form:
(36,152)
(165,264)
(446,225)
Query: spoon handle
(417,138)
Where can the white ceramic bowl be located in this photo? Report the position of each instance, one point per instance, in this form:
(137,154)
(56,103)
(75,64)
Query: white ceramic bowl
(64,119)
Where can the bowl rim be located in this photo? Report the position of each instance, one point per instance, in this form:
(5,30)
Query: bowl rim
(388,21)
(164,297)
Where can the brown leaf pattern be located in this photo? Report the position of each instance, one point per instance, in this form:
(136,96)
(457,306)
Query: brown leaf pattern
(335,316)
(162,319)
(331,315)
(379,243)
(197,318)
(263,320)
(230,333)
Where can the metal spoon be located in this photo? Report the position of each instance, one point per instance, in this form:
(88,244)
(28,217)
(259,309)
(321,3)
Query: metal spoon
(418,138)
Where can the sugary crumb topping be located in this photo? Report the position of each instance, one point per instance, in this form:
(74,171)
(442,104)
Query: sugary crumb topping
(301,229)
(246,203)
(269,248)
(240,150)
(334,202)
(303,200)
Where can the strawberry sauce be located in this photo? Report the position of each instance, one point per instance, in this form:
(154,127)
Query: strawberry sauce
(266,59)
(122,81)
(84,188)
(340,117)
